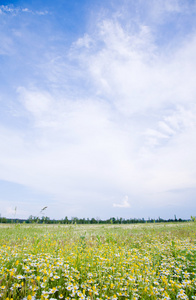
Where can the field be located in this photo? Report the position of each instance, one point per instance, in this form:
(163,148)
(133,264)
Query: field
(143,261)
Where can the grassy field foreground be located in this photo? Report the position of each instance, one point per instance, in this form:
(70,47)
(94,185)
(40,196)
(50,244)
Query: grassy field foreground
(148,261)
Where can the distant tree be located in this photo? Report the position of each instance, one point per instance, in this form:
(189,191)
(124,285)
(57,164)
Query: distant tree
(66,221)
(93,221)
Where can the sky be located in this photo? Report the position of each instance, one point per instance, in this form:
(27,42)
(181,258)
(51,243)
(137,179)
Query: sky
(98,108)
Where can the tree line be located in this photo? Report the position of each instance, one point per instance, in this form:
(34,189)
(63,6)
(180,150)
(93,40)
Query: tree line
(75,220)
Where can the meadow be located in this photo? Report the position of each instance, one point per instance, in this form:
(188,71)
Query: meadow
(142,261)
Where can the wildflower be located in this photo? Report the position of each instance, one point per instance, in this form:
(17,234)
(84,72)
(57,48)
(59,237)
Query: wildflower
(20,277)
(69,287)
(53,290)
(29,297)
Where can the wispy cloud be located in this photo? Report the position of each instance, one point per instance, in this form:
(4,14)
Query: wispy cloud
(11,9)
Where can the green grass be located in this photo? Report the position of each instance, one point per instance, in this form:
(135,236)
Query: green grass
(142,261)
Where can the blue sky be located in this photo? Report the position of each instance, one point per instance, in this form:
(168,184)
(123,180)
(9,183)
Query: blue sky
(98,108)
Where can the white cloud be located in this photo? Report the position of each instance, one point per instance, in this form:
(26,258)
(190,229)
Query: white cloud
(37,103)
(84,41)
(125,203)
